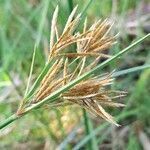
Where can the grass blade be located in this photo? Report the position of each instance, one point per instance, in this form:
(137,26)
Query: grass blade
(130,70)
(8,121)
(31,70)
(34,13)
(70,3)
(41,25)
(89,128)
(84,11)
(86,8)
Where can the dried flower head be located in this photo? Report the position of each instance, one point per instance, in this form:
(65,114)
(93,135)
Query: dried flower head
(91,93)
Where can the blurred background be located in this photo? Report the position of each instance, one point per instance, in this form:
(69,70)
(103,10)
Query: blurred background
(26,22)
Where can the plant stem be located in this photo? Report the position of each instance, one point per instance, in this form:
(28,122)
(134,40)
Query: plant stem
(8,121)
(89,128)
(130,70)
(86,124)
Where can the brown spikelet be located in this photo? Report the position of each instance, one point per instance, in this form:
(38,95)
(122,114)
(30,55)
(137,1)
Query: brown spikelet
(70,18)
(65,71)
(53,25)
(91,94)
(46,82)
(72,55)
(99,40)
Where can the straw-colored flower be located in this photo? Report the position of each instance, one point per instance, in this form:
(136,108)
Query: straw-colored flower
(91,93)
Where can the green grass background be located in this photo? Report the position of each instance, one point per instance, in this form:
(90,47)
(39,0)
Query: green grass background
(26,22)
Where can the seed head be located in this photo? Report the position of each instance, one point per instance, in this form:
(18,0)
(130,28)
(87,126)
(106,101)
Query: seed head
(92,93)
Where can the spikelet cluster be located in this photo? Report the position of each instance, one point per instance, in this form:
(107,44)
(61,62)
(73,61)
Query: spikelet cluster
(91,44)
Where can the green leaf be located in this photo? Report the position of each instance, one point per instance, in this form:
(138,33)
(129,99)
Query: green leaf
(131,70)
(31,70)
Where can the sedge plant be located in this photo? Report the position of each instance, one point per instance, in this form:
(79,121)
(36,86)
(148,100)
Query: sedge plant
(69,76)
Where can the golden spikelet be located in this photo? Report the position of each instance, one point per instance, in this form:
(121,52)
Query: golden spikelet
(92,93)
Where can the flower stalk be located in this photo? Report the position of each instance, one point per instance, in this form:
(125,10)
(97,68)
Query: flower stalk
(59,83)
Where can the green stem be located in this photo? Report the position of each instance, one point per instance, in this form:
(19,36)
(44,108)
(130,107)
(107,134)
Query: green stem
(8,121)
(86,124)
(89,128)
(130,70)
